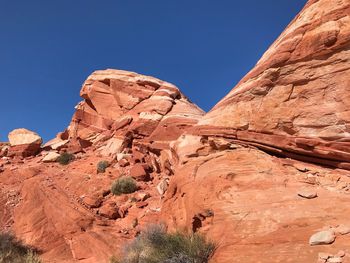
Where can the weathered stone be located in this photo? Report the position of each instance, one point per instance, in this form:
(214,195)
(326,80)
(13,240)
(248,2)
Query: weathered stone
(335,260)
(94,201)
(307,193)
(322,238)
(323,255)
(123,163)
(126,101)
(113,146)
(51,157)
(24,143)
(141,204)
(162,187)
(341,253)
(141,196)
(109,210)
(24,137)
(342,229)
(138,172)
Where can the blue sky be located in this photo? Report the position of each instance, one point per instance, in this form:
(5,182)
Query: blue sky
(48,48)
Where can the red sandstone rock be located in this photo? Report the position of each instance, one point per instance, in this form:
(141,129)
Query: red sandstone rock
(222,181)
(93,201)
(124,102)
(141,204)
(295,101)
(123,163)
(109,210)
(138,172)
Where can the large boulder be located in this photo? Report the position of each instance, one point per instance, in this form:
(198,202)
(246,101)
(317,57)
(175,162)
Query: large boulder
(24,143)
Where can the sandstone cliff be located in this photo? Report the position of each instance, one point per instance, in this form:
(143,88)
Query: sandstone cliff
(296,100)
(262,172)
(233,181)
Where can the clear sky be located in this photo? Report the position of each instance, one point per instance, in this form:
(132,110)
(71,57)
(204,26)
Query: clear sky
(48,48)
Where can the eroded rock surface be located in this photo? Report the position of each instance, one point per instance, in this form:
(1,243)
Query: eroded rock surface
(222,174)
(23,143)
(120,106)
(296,101)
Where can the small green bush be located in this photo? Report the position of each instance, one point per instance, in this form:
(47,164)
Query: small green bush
(102,166)
(12,250)
(65,158)
(156,245)
(124,185)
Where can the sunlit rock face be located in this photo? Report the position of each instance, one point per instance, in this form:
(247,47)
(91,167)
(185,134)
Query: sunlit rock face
(230,182)
(121,102)
(212,173)
(296,100)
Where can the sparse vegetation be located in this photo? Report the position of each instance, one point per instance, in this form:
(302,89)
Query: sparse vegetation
(124,185)
(65,158)
(102,166)
(155,245)
(12,250)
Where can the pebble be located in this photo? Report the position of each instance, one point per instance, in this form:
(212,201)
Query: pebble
(307,193)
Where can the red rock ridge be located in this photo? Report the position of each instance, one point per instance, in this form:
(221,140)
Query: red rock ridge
(296,100)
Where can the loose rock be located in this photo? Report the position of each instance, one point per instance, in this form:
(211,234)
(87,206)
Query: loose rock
(307,193)
(51,157)
(322,238)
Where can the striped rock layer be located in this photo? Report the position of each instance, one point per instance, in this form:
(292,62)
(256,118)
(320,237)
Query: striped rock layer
(296,100)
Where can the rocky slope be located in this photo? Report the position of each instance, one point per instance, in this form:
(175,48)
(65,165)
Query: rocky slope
(231,181)
(68,212)
(260,174)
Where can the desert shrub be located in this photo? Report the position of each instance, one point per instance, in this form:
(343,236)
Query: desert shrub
(155,245)
(113,259)
(102,166)
(124,185)
(65,158)
(12,250)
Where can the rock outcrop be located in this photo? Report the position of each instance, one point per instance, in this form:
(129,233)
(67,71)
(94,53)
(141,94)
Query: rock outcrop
(120,106)
(68,212)
(296,100)
(294,103)
(24,143)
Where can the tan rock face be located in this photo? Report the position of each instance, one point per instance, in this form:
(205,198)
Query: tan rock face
(23,136)
(24,143)
(296,100)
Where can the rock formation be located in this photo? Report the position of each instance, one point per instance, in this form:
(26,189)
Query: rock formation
(264,174)
(296,100)
(294,103)
(24,143)
(129,121)
(121,104)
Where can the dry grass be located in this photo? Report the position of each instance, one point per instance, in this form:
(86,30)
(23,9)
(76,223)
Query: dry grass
(155,245)
(14,251)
